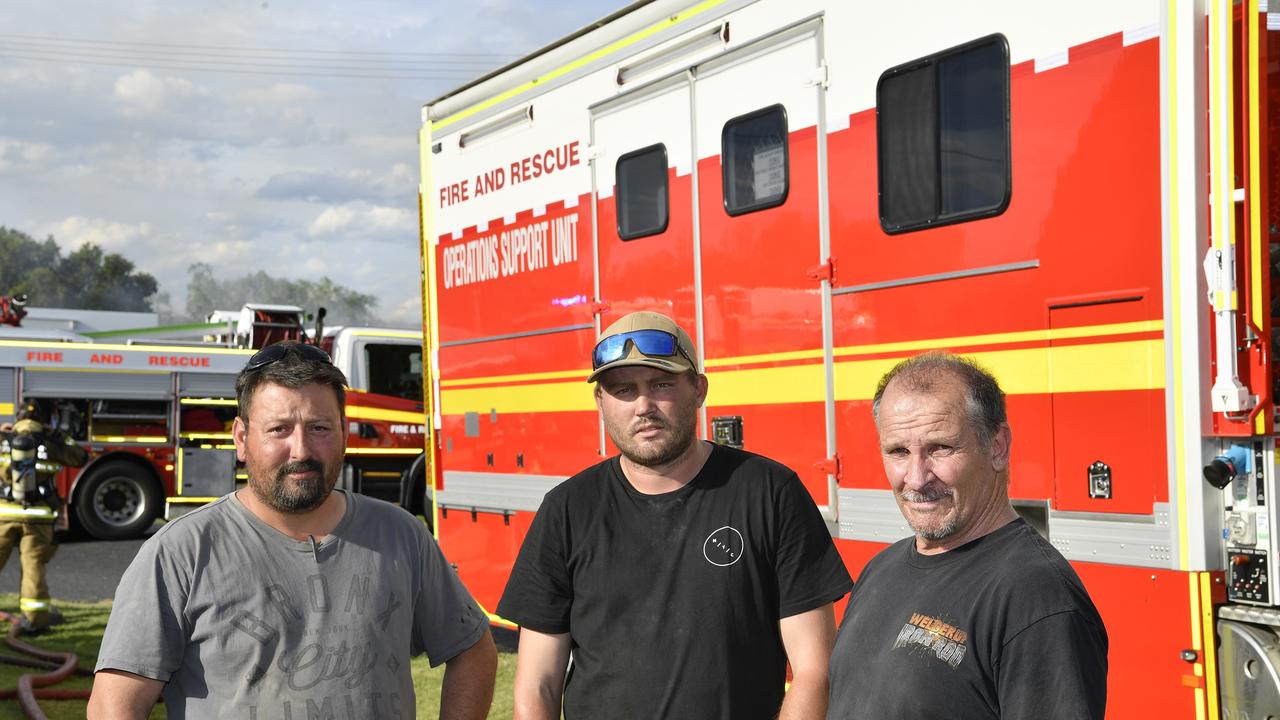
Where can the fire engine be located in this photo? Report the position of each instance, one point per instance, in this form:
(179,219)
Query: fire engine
(1079,197)
(156,412)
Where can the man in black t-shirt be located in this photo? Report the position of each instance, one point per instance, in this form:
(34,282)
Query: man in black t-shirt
(976,616)
(680,576)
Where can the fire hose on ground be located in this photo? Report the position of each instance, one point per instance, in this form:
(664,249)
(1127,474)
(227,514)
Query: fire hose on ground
(32,686)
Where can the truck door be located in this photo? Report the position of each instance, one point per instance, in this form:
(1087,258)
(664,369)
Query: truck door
(761,202)
(736,262)
(642,184)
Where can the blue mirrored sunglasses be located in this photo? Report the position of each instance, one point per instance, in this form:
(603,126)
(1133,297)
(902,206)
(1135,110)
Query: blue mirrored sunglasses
(272,353)
(654,343)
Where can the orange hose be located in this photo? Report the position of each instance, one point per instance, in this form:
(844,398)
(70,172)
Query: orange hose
(65,664)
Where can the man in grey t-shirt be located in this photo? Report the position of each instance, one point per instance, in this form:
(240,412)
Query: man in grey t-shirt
(286,599)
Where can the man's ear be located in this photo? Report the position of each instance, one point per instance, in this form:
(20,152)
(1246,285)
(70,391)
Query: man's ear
(1001,444)
(240,435)
(703,387)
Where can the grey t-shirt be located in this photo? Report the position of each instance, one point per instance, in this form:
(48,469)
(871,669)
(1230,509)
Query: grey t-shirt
(242,621)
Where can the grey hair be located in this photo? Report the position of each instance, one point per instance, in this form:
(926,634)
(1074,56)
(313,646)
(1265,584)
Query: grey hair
(292,371)
(984,400)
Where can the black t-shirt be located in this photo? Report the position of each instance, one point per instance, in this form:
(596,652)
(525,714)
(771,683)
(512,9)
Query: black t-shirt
(1000,627)
(672,601)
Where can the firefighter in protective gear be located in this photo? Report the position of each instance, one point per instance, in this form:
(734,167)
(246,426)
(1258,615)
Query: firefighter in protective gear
(30,457)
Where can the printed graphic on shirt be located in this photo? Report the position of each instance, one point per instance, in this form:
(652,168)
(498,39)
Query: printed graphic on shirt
(723,547)
(927,635)
(334,656)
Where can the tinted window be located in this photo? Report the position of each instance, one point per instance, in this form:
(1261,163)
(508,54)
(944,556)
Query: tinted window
(642,192)
(942,126)
(394,370)
(754,156)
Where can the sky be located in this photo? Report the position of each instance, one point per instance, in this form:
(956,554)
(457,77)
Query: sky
(230,132)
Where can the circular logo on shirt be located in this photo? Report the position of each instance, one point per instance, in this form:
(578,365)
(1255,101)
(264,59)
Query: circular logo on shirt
(723,547)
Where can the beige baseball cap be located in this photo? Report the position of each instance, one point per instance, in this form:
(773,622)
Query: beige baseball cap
(622,341)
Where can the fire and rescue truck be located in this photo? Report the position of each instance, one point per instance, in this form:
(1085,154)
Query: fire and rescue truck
(1078,196)
(156,412)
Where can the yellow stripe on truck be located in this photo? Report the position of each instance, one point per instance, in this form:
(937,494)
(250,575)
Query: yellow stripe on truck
(538,82)
(360,412)
(1093,367)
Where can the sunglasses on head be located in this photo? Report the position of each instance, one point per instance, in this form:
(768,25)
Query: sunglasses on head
(654,343)
(272,353)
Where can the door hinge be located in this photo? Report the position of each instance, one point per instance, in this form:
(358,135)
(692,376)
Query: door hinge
(600,307)
(825,271)
(830,466)
(820,77)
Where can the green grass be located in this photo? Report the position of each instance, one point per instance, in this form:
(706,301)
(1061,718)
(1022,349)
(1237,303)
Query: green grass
(426,683)
(82,634)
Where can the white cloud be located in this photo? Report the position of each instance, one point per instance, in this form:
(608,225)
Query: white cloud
(17,154)
(408,313)
(109,235)
(27,76)
(332,220)
(391,218)
(148,91)
(226,252)
(361,219)
(277,94)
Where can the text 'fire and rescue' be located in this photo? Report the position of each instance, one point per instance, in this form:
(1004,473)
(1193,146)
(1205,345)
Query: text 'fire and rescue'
(522,170)
(512,251)
(48,356)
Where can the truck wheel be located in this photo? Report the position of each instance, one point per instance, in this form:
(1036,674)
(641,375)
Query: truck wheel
(117,501)
(413,487)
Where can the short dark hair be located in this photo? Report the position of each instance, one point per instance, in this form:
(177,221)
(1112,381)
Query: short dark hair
(293,370)
(984,400)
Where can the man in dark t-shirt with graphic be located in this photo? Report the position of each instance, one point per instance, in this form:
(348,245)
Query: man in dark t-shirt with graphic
(976,616)
(681,576)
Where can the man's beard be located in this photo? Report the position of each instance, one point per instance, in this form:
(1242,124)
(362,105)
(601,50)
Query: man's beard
(938,532)
(284,495)
(681,436)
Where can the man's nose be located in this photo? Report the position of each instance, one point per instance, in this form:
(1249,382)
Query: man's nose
(299,448)
(919,471)
(645,404)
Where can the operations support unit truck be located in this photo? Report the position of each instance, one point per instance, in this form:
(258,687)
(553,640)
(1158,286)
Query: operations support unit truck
(1078,196)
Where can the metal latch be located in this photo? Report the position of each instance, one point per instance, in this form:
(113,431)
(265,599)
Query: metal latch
(1100,480)
(819,77)
(825,271)
(830,466)
(600,307)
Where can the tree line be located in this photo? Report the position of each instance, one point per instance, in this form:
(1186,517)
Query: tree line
(89,279)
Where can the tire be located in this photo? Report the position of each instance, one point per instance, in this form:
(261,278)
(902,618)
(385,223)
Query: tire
(118,500)
(414,490)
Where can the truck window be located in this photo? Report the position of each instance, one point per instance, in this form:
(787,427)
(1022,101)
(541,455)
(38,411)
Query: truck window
(394,370)
(754,160)
(942,137)
(128,420)
(642,192)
